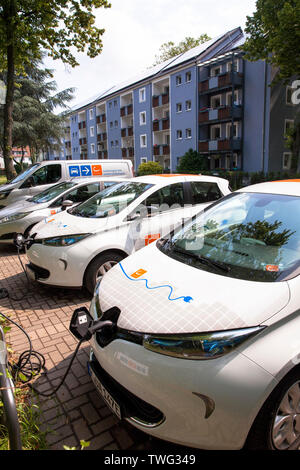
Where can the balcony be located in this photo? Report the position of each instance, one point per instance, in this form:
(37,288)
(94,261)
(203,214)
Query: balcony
(161,124)
(102,137)
(127,152)
(223,113)
(82,141)
(82,125)
(127,131)
(220,145)
(126,110)
(160,100)
(102,154)
(161,150)
(101,119)
(225,80)
(68,145)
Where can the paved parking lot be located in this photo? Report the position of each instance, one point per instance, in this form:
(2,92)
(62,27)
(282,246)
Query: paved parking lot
(76,412)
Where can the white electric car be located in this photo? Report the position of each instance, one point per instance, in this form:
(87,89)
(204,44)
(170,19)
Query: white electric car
(204,348)
(21,216)
(74,248)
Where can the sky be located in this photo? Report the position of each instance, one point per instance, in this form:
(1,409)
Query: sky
(134,32)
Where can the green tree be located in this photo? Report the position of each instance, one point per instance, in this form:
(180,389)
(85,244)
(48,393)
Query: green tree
(150,168)
(170,49)
(34,122)
(57,26)
(192,162)
(274,36)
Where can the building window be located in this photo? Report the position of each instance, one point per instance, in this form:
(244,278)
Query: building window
(215,71)
(142,118)
(110,105)
(215,132)
(235,66)
(288,125)
(111,143)
(179,134)
(142,95)
(116,143)
(111,124)
(92,148)
(92,131)
(188,133)
(116,123)
(178,80)
(143,160)
(228,130)
(237,100)
(115,103)
(286,160)
(188,77)
(215,101)
(289,94)
(178,107)
(143,140)
(91,113)
(188,105)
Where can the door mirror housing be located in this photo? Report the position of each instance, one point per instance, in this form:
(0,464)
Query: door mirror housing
(66,203)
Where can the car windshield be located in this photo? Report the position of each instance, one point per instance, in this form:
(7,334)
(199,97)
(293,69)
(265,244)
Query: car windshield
(51,193)
(250,236)
(110,201)
(25,173)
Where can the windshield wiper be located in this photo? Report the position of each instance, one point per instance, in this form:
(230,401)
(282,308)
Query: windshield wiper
(202,259)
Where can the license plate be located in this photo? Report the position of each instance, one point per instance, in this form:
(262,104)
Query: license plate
(30,273)
(109,400)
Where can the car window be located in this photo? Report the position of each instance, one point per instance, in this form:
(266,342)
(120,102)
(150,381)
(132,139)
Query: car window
(166,198)
(82,193)
(205,192)
(47,174)
(51,193)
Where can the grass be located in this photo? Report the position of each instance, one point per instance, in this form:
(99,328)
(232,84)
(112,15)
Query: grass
(29,415)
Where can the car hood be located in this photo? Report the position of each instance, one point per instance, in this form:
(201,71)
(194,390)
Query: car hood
(20,206)
(157,294)
(7,187)
(64,223)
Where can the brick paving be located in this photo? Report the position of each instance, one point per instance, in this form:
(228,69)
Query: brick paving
(76,412)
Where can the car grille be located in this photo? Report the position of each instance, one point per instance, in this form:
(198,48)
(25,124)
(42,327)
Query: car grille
(40,273)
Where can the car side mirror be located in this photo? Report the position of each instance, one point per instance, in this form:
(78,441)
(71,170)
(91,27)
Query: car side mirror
(66,203)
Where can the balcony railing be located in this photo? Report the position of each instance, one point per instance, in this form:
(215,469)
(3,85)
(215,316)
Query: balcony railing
(101,118)
(127,132)
(225,80)
(161,124)
(82,125)
(219,114)
(160,100)
(127,152)
(219,145)
(102,137)
(126,110)
(102,154)
(82,141)
(161,149)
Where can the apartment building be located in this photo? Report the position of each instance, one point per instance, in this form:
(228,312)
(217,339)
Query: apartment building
(208,99)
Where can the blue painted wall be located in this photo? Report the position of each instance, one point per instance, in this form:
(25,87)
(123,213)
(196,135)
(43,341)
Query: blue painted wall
(138,107)
(113,131)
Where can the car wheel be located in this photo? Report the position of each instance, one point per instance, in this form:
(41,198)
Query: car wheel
(277,426)
(98,267)
(26,232)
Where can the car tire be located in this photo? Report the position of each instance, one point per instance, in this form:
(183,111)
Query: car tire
(277,425)
(98,267)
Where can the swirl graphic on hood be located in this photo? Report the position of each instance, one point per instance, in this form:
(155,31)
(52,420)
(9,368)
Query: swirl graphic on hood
(186,299)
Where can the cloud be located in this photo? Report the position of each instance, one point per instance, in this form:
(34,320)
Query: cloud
(135,30)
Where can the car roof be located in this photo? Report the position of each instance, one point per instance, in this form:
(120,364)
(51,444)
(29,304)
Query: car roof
(82,180)
(166,179)
(285,187)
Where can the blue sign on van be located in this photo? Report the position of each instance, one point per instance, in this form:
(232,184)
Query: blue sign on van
(74,170)
(86,170)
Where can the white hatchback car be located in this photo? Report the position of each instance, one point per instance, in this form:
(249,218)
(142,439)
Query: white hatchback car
(22,215)
(204,346)
(74,248)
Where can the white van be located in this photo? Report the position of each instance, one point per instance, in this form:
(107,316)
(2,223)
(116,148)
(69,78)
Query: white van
(40,176)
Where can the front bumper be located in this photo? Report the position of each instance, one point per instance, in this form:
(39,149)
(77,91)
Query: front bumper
(204,404)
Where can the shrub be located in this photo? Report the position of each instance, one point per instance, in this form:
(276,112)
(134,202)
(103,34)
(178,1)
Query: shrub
(150,168)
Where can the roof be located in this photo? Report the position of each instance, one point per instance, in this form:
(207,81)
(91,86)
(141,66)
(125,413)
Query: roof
(284,187)
(190,55)
(165,179)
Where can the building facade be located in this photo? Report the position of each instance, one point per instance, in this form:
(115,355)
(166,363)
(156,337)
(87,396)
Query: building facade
(208,99)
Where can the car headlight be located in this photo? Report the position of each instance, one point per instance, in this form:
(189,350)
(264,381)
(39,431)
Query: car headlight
(199,346)
(12,218)
(4,194)
(65,240)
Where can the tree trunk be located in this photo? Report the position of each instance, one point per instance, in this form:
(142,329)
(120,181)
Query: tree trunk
(8,107)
